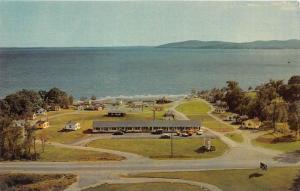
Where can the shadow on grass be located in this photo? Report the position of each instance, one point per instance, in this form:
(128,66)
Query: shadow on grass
(290,157)
(87,131)
(64,130)
(255,175)
(296,183)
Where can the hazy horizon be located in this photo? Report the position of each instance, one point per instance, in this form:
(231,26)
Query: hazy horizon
(120,46)
(123,24)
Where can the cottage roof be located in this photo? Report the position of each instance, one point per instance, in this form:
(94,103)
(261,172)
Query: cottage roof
(115,111)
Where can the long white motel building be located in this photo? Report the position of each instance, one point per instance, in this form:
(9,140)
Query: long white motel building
(145,126)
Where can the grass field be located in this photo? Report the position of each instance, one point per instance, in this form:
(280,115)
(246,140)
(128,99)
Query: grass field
(275,179)
(197,110)
(235,137)
(85,118)
(267,142)
(57,154)
(146,187)
(36,182)
(160,148)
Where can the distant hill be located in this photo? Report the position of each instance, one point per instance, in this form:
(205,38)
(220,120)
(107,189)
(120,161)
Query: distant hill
(272,44)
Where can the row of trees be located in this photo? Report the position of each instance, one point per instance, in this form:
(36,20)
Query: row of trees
(25,102)
(19,142)
(273,101)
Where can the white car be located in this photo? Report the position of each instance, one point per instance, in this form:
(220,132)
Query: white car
(200,132)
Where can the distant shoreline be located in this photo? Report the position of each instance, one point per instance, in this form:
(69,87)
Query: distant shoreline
(142,97)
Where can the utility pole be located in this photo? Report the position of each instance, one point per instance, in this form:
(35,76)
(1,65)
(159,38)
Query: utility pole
(274,117)
(172,143)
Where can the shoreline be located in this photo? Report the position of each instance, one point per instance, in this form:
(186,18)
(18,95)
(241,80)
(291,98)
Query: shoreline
(141,97)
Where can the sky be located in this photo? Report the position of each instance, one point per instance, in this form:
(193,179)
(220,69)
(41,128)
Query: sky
(89,24)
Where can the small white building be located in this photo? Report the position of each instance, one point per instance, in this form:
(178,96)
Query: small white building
(41,111)
(80,107)
(72,125)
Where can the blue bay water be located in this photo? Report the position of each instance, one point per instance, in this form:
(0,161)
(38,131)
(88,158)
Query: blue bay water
(140,70)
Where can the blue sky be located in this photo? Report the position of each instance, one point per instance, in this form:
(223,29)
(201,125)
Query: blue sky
(56,24)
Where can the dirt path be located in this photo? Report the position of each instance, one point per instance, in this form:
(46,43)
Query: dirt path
(202,185)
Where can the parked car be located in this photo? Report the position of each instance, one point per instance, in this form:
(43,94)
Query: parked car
(178,133)
(184,135)
(157,132)
(118,133)
(165,136)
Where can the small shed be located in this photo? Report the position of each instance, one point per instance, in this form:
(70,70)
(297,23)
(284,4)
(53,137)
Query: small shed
(251,124)
(55,108)
(72,125)
(116,113)
(42,124)
(80,107)
(220,110)
(240,119)
(231,117)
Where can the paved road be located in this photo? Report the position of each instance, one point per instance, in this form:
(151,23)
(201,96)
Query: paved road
(239,156)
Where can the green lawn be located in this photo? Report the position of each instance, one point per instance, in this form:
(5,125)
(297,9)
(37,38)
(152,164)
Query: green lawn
(85,118)
(275,179)
(197,110)
(57,154)
(266,141)
(251,94)
(235,137)
(63,111)
(193,107)
(160,148)
(146,187)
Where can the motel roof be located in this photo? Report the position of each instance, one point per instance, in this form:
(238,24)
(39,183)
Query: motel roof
(154,123)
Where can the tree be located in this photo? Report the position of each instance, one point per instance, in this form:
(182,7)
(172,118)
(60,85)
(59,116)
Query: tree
(294,80)
(277,111)
(28,141)
(290,92)
(43,138)
(93,97)
(5,123)
(276,84)
(234,97)
(23,103)
(294,118)
(57,97)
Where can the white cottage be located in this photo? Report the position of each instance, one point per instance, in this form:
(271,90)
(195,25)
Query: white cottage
(72,125)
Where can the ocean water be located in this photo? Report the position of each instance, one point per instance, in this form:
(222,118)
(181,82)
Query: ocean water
(140,70)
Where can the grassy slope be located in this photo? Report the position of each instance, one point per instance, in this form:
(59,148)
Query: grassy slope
(197,110)
(160,148)
(36,182)
(56,154)
(146,187)
(266,141)
(275,179)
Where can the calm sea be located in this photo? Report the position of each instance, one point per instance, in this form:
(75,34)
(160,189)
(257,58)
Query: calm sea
(140,70)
